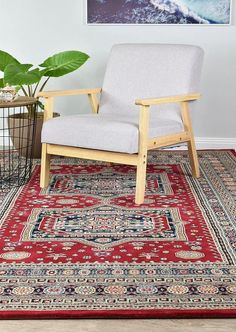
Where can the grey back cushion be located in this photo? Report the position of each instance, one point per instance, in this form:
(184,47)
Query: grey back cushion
(149,71)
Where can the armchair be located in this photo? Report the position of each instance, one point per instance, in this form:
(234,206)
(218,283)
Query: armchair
(134,115)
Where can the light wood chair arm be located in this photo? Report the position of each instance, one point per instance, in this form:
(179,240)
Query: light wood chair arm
(145,106)
(58,93)
(49,99)
(167,100)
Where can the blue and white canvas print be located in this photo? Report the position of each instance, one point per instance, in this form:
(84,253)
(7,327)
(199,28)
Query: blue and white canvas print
(158,11)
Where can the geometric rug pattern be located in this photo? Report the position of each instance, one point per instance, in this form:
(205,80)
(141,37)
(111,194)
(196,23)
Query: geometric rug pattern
(83,248)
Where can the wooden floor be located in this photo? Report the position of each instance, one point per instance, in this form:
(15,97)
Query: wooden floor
(121,325)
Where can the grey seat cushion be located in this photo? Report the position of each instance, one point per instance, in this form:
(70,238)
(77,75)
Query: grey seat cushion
(105,132)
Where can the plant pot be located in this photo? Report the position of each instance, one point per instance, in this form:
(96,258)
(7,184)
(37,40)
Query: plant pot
(23,134)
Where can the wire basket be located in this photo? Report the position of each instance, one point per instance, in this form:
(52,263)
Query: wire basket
(17,132)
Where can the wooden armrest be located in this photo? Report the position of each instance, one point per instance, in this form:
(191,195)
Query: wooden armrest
(167,100)
(48,94)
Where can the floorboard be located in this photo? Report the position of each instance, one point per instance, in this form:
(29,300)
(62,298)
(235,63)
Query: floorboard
(121,325)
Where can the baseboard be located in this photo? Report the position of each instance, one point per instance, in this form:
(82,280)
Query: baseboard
(203,143)
(215,143)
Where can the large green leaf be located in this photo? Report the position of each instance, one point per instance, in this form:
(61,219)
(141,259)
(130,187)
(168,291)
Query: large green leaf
(6,59)
(1,83)
(63,63)
(19,74)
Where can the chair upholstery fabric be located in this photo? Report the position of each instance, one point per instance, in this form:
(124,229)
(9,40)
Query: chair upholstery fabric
(137,71)
(109,132)
(134,71)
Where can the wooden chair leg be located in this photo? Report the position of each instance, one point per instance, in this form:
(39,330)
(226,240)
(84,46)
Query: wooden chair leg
(45,167)
(191,143)
(141,180)
(142,157)
(193,158)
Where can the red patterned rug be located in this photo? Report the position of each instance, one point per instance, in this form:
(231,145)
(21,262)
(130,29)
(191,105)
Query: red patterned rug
(82,248)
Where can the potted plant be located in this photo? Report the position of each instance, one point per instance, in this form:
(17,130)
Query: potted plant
(31,80)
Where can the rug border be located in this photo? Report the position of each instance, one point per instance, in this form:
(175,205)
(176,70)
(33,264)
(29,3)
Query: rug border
(121,314)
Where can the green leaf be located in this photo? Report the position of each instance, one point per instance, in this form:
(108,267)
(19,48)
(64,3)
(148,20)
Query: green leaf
(6,59)
(1,83)
(19,74)
(17,87)
(41,105)
(63,63)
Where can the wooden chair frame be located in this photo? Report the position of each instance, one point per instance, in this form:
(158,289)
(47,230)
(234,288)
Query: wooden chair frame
(140,159)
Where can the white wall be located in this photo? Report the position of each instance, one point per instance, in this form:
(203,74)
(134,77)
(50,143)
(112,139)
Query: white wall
(34,29)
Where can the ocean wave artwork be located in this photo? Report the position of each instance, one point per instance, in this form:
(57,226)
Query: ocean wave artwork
(158,11)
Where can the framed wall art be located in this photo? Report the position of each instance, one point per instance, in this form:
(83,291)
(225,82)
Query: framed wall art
(208,12)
